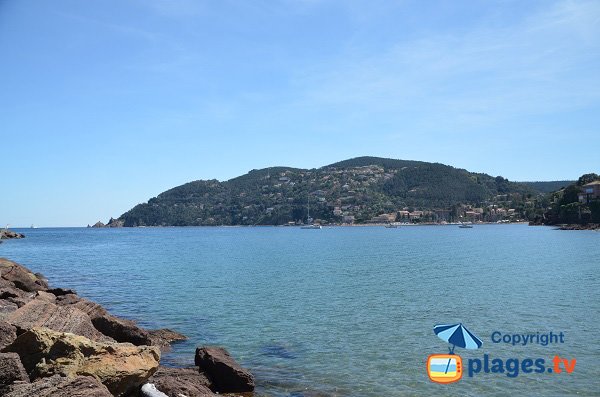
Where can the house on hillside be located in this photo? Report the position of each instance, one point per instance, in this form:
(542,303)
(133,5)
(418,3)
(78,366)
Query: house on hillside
(589,191)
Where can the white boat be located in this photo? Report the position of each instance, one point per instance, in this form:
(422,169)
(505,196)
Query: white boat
(313,226)
(466,226)
(391,226)
(309,221)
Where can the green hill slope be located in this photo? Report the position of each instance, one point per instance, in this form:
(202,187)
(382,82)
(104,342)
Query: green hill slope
(362,187)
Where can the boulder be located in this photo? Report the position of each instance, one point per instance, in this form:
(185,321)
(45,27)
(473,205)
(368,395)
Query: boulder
(11,370)
(122,330)
(41,313)
(116,328)
(58,386)
(6,308)
(181,381)
(8,333)
(121,367)
(61,291)
(21,276)
(164,337)
(43,295)
(224,373)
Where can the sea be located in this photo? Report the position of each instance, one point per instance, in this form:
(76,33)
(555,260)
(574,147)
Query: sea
(349,311)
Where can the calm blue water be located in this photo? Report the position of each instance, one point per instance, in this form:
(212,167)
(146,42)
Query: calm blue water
(344,311)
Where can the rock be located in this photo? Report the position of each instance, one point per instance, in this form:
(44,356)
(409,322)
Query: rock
(6,308)
(225,374)
(21,277)
(41,313)
(122,330)
(58,386)
(99,224)
(164,337)
(121,367)
(176,381)
(8,333)
(46,296)
(61,291)
(11,370)
(7,234)
(116,328)
(115,223)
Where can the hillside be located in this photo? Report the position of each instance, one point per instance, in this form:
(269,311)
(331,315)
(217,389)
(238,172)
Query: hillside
(354,190)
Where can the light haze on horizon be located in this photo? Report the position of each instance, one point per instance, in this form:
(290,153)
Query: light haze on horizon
(106,104)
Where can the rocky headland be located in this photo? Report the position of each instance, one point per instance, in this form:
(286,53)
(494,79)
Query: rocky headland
(55,343)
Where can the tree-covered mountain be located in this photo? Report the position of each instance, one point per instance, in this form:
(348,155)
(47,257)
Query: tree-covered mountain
(357,189)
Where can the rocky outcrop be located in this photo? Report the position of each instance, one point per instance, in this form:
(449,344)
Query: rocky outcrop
(6,234)
(181,381)
(587,226)
(8,333)
(163,338)
(121,367)
(99,224)
(114,223)
(224,373)
(58,386)
(70,346)
(11,370)
(118,329)
(42,313)
(21,277)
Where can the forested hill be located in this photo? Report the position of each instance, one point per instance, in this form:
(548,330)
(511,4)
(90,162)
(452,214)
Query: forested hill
(361,188)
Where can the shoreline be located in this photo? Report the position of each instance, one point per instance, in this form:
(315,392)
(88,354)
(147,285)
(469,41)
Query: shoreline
(54,341)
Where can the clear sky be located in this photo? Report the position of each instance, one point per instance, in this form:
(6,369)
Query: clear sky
(104,104)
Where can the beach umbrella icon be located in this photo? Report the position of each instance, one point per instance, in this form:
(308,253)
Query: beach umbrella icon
(457,335)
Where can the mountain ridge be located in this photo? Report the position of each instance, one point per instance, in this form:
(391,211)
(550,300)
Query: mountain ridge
(355,190)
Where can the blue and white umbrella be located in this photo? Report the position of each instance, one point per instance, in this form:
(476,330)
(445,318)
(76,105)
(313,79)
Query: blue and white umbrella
(457,335)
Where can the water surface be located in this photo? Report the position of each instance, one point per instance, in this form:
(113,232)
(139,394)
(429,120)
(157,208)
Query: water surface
(344,311)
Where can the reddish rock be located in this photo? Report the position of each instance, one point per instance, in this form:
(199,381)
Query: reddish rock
(8,333)
(164,337)
(58,386)
(41,313)
(116,328)
(225,374)
(181,381)
(21,277)
(11,370)
(122,330)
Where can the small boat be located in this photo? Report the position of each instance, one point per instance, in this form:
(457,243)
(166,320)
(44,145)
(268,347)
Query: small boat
(466,226)
(391,226)
(309,221)
(313,226)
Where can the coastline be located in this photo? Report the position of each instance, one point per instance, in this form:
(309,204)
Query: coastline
(54,342)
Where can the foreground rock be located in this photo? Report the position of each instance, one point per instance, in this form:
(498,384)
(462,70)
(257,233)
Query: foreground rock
(121,367)
(6,234)
(224,373)
(116,328)
(42,313)
(175,382)
(8,333)
(11,370)
(21,277)
(58,386)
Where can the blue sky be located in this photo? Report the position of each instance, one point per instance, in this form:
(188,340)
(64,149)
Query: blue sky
(105,104)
